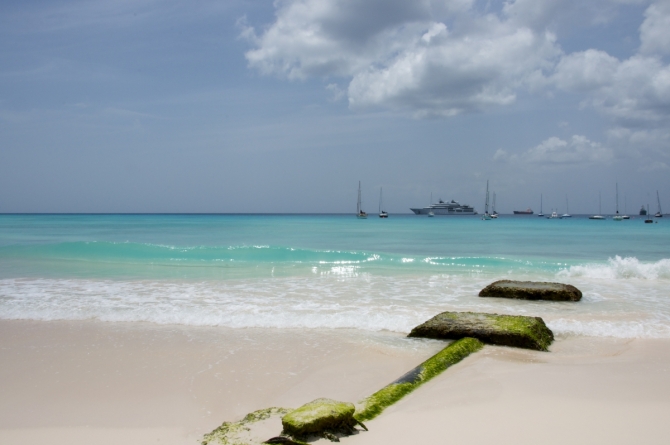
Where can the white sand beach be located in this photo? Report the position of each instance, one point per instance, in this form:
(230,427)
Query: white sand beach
(134,383)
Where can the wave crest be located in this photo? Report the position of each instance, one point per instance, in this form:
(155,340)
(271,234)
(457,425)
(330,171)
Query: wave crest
(620,268)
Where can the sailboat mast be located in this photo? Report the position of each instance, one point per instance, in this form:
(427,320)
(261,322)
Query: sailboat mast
(380,199)
(567,209)
(617,198)
(600,210)
(358,204)
(659,202)
(486,205)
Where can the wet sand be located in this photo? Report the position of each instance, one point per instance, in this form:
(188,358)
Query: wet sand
(136,383)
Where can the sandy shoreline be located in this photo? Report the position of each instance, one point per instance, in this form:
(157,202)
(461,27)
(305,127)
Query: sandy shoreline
(136,383)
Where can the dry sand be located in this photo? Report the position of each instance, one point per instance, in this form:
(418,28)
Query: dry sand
(132,383)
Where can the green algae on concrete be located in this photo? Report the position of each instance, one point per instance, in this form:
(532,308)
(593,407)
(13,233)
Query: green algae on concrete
(319,416)
(532,290)
(229,432)
(506,330)
(372,406)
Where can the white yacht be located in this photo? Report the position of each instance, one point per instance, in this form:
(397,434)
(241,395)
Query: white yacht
(540,214)
(446,208)
(658,214)
(598,216)
(494,214)
(567,210)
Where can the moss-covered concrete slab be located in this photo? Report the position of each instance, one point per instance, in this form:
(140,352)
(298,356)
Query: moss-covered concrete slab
(532,290)
(253,429)
(319,416)
(373,405)
(505,330)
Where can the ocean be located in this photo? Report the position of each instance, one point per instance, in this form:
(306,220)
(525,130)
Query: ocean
(331,271)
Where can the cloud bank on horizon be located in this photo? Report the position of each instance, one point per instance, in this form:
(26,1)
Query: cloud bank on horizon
(441,58)
(284,105)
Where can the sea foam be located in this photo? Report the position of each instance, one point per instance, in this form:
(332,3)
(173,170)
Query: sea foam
(620,268)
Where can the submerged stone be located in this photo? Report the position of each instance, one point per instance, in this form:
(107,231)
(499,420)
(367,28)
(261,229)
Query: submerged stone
(505,330)
(532,290)
(319,416)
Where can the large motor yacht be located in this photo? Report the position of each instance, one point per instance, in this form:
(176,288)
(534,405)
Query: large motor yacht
(446,208)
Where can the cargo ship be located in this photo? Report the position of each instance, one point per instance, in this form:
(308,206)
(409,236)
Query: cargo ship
(523,212)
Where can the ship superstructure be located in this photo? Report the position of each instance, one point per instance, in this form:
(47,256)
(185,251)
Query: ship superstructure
(446,208)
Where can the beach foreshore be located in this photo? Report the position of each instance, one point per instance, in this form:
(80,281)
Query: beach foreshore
(83,382)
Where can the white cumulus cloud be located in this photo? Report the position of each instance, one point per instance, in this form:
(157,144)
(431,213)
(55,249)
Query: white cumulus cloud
(556,151)
(432,57)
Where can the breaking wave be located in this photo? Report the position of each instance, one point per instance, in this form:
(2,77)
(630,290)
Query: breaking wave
(620,268)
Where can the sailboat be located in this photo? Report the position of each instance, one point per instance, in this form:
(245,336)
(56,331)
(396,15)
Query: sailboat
(598,216)
(486,216)
(430,212)
(494,214)
(540,214)
(359,211)
(617,217)
(658,214)
(648,213)
(625,207)
(567,210)
(382,213)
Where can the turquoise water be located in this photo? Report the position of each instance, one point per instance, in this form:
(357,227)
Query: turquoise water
(329,270)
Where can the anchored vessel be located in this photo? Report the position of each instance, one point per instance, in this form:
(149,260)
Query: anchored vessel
(658,214)
(446,208)
(382,213)
(567,209)
(486,215)
(598,216)
(359,210)
(523,212)
(617,217)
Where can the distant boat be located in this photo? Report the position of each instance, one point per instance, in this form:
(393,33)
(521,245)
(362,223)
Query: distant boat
(643,211)
(540,214)
(445,208)
(625,208)
(617,217)
(359,211)
(494,214)
(382,213)
(486,216)
(658,214)
(648,213)
(554,215)
(567,210)
(598,216)
(524,212)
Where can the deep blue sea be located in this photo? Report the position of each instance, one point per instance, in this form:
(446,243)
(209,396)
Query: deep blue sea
(331,271)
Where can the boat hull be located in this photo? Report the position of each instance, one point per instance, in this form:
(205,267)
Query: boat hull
(523,212)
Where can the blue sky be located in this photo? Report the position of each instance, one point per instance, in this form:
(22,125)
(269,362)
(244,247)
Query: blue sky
(241,106)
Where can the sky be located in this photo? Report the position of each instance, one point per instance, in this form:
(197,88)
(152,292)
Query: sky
(243,106)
